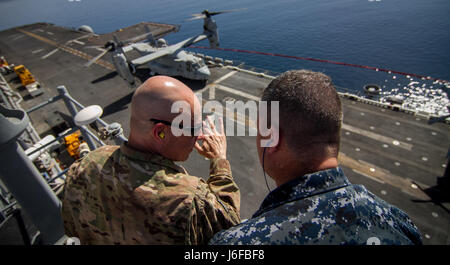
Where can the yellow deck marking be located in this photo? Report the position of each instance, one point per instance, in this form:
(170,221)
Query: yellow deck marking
(65,48)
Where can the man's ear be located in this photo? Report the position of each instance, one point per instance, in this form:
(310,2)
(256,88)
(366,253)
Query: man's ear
(158,133)
(273,142)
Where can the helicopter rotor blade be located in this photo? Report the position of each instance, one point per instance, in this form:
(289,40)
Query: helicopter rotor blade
(206,13)
(226,11)
(93,60)
(196,16)
(94,47)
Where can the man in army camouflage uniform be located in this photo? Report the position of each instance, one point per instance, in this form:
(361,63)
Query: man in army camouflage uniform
(314,203)
(136,194)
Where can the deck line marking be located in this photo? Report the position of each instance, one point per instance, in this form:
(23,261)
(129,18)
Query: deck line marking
(36,51)
(212,84)
(237,92)
(367,176)
(65,48)
(49,54)
(376,136)
(79,38)
(84,36)
(79,42)
(18,37)
(366,163)
(224,77)
(212,93)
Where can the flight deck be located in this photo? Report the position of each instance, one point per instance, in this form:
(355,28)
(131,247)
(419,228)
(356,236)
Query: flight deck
(396,155)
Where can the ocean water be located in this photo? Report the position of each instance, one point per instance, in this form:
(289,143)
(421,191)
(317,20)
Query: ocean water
(409,36)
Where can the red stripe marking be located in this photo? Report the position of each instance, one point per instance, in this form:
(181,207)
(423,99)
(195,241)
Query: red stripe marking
(322,61)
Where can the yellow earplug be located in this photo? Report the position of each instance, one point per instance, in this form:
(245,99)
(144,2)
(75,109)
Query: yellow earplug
(161,135)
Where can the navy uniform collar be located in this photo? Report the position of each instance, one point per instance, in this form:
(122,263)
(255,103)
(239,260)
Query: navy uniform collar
(304,186)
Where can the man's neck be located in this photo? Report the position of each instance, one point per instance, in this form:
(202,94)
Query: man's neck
(324,164)
(133,143)
(328,163)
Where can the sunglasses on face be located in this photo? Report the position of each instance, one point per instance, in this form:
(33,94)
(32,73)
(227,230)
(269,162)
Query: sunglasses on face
(194,131)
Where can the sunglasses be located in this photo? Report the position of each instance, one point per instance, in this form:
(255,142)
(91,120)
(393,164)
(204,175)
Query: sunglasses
(194,131)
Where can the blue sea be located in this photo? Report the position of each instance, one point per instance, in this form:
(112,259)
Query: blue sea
(410,36)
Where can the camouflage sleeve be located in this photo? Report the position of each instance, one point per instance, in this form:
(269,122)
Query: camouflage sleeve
(221,183)
(218,207)
(66,214)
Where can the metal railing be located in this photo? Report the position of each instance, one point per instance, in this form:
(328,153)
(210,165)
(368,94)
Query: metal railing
(8,207)
(72,106)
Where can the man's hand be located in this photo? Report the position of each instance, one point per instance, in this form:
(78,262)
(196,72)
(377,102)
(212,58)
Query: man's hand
(214,142)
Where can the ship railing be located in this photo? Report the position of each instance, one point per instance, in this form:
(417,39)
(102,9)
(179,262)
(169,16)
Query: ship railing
(237,66)
(8,203)
(257,71)
(73,106)
(345,90)
(12,100)
(91,138)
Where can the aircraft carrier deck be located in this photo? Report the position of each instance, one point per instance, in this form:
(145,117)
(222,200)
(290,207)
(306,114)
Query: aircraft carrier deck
(396,155)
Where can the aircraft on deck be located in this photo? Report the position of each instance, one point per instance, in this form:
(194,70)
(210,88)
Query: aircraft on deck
(161,57)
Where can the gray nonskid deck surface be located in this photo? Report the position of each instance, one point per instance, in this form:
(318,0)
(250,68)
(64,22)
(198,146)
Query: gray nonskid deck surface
(384,150)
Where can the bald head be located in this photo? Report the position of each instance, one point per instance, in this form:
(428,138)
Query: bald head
(154,100)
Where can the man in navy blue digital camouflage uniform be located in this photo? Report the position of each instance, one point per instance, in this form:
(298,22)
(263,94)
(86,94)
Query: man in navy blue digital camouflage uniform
(314,203)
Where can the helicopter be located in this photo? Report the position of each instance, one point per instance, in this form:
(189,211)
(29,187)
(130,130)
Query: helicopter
(161,57)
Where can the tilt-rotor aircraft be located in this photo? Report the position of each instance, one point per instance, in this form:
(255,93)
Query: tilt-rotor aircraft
(162,58)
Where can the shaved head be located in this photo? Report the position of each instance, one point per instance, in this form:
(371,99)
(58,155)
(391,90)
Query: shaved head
(154,100)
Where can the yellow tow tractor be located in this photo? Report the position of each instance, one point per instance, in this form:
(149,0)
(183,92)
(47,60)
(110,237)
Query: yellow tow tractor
(73,142)
(26,78)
